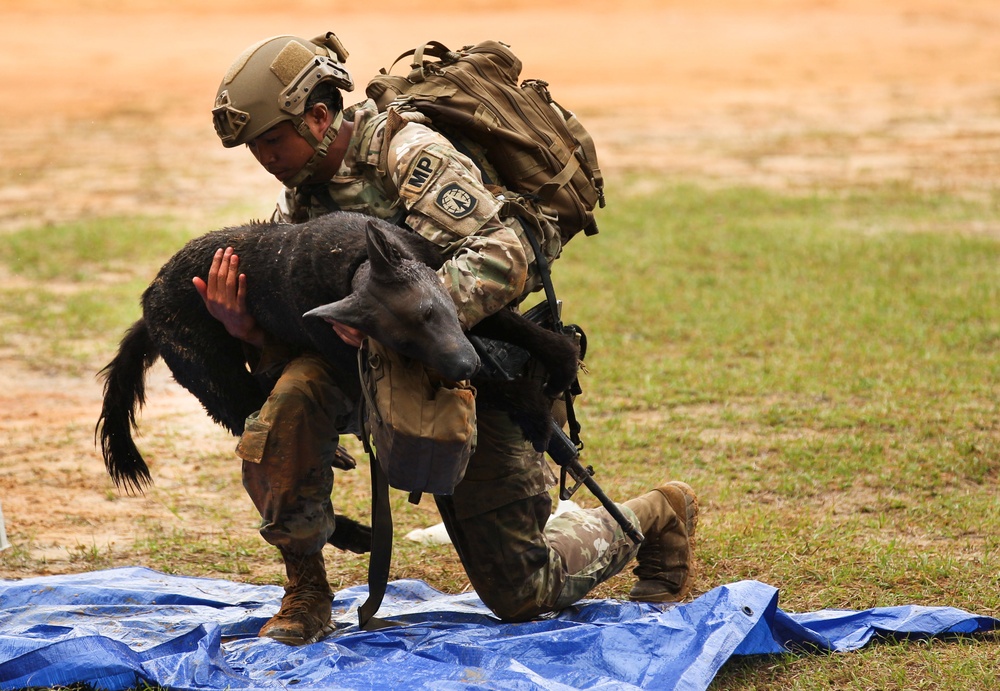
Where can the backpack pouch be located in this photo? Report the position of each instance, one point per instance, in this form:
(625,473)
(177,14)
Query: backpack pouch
(423,427)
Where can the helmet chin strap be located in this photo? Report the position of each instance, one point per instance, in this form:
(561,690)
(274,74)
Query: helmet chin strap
(321,148)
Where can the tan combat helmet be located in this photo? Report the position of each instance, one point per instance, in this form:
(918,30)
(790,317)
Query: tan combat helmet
(270,82)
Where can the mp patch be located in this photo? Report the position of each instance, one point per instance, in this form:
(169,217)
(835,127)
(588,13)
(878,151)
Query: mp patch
(423,170)
(455,201)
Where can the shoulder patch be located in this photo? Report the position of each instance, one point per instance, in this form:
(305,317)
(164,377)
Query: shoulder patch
(424,168)
(455,201)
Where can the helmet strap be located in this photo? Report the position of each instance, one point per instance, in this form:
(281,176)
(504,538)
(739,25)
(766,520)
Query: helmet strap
(321,147)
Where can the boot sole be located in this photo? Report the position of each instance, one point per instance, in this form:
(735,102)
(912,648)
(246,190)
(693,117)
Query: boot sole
(298,641)
(691,508)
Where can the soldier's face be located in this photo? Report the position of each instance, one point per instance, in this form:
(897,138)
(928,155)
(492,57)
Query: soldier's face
(282,151)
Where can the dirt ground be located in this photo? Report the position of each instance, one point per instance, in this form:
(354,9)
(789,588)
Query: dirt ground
(104,111)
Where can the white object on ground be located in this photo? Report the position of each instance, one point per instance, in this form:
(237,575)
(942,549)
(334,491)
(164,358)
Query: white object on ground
(434,535)
(437,535)
(565,506)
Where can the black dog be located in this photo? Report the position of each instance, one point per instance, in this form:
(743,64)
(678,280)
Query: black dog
(351,268)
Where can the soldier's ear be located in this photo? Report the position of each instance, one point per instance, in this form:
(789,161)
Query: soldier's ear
(320,115)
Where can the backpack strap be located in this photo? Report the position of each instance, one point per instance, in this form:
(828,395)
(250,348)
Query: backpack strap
(589,153)
(559,180)
(418,66)
(381,555)
(394,122)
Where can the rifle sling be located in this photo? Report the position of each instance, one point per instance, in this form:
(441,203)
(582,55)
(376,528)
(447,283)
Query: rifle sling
(544,272)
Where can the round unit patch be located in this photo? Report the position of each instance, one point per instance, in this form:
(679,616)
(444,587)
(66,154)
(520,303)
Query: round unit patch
(455,201)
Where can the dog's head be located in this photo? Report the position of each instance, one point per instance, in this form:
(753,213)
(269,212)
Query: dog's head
(402,303)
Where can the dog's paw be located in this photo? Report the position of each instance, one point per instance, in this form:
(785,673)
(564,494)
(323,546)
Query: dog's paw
(536,428)
(351,536)
(562,365)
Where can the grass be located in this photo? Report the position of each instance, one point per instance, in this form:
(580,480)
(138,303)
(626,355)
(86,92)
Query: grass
(71,286)
(822,368)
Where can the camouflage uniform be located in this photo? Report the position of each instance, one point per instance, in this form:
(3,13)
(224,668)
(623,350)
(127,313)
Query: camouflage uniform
(521,563)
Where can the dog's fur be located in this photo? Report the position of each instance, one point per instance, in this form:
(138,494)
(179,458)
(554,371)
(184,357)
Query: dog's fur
(343,266)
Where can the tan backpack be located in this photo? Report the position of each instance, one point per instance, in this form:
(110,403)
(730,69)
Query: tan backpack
(538,148)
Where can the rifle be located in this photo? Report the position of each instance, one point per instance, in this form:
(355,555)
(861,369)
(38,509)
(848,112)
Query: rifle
(503,361)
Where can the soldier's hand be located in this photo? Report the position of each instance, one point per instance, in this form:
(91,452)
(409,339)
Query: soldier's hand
(225,297)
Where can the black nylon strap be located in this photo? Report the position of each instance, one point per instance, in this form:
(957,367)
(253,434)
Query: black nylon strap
(321,193)
(544,272)
(381,553)
(550,297)
(381,556)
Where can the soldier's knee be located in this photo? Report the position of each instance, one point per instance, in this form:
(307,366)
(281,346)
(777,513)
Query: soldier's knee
(512,609)
(306,391)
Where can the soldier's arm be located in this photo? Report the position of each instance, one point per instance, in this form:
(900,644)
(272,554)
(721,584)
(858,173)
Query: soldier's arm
(486,266)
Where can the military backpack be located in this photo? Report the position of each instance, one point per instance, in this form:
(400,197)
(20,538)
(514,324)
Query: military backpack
(538,148)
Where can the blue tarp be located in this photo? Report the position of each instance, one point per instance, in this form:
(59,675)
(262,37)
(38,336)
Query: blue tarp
(120,627)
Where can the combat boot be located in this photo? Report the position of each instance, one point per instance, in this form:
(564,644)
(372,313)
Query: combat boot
(305,609)
(667,516)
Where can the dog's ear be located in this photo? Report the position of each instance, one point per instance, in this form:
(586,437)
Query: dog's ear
(347,311)
(383,255)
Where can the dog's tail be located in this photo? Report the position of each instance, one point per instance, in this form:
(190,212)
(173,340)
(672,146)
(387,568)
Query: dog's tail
(124,394)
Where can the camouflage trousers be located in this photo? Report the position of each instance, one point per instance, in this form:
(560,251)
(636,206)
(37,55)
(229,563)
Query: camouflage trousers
(289,451)
(521,562)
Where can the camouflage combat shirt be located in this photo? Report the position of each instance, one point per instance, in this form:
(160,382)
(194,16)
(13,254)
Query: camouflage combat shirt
(438,192)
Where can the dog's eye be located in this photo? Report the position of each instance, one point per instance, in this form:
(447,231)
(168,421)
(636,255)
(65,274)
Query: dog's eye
(428,314)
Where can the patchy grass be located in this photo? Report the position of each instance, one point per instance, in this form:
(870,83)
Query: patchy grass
(823,369)
(69,290)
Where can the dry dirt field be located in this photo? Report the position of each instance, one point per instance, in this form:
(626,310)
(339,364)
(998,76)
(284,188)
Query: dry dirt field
(104,111)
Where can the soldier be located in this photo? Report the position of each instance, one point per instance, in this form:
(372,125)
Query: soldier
(282,99)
